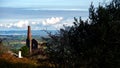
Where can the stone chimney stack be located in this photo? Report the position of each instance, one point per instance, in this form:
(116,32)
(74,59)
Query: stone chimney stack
(29,33)
(29,39)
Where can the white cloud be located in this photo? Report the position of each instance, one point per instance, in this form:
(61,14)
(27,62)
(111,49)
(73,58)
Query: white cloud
(60,25)
(37,24)
(1,25)
(33,23)
(21,24)
(52,20)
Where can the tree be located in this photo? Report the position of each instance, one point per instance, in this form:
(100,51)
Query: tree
(89,44)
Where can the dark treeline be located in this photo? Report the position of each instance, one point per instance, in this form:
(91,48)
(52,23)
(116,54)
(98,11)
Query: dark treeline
(94,43)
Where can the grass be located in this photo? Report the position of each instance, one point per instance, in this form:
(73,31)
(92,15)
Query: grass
(9,61)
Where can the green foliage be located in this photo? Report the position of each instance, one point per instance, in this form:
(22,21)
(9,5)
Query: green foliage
(89,44)
(25,50)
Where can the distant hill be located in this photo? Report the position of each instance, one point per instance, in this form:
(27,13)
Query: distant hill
(24,32)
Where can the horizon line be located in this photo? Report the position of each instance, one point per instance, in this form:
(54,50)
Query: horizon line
(36,9)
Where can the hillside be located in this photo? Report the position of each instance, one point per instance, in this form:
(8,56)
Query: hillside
(9,61)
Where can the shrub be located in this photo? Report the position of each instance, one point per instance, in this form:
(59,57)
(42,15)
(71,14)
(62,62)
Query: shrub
(25,50)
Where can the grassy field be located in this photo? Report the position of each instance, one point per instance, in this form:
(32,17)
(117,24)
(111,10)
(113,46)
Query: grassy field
(17,41)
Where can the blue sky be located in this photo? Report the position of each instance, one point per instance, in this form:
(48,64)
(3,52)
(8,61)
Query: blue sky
(49,4)
(18,14)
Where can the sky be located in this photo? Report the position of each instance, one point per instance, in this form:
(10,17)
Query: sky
(49,4)
(18,14)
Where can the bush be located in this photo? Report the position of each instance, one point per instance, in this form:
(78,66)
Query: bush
(24,50)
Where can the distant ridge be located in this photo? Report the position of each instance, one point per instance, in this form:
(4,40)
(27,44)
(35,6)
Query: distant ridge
(23,32)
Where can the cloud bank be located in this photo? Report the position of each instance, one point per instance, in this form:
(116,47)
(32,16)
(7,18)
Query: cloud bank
(37,24)
(19,24)
(52,20)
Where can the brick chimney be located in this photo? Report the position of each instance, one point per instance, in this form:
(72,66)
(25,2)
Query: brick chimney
(29,39)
